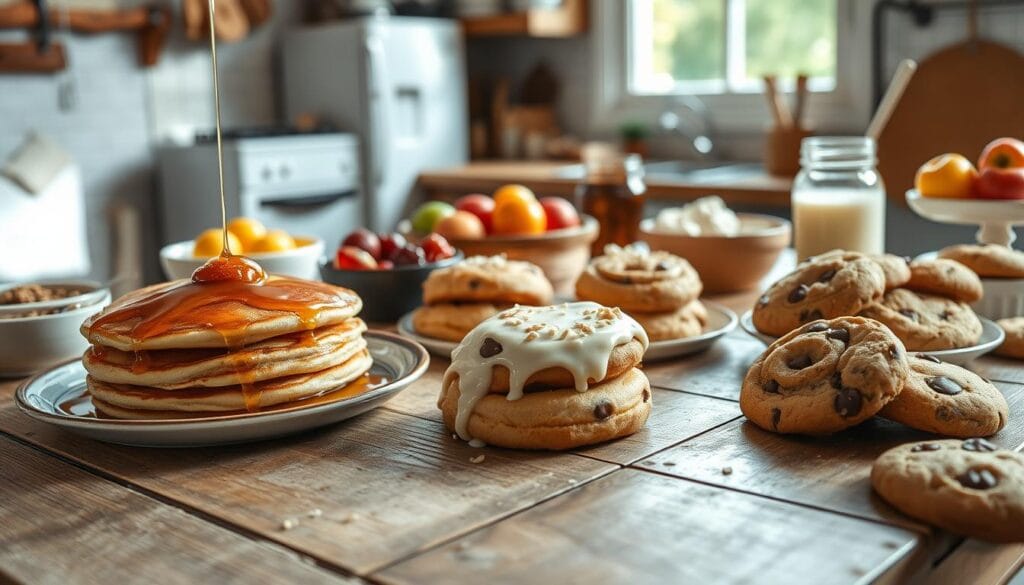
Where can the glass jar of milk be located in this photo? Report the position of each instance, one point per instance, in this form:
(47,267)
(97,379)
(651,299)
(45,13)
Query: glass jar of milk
(838,197)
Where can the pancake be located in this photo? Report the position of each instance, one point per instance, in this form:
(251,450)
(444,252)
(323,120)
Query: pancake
(124,401)
(285,355)
(182,315)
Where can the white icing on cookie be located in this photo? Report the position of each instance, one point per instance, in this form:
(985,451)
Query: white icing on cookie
(576,336)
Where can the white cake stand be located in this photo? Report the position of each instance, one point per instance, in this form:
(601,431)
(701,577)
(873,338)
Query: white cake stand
(996,217)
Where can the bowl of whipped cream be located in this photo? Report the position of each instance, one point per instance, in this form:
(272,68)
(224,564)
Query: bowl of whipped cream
(731,251)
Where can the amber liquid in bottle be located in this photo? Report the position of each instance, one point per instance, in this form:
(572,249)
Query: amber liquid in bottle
(613,193)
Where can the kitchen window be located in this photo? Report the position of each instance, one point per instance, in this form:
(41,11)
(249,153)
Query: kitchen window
(651,50)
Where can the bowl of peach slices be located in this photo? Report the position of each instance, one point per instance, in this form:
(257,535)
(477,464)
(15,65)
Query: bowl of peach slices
(277,251)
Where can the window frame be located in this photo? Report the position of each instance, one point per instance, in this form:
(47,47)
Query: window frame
(845,108)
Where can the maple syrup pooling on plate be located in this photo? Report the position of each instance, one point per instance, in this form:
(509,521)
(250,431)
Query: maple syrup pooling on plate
(578,337)
(225,279)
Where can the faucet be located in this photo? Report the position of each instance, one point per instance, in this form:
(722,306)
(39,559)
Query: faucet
(687,116)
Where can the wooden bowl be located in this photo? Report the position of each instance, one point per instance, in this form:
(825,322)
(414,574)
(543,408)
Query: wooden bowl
(561,254)
(727,263)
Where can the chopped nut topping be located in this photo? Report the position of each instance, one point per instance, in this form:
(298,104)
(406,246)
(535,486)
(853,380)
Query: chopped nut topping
(531,336)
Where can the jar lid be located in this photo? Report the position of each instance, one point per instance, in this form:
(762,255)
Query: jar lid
(837,152)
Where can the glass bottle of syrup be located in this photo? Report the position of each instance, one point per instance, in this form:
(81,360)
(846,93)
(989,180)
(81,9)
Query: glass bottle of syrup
(613,193)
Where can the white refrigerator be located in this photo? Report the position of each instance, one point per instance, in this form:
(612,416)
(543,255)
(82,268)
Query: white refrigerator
(397,82)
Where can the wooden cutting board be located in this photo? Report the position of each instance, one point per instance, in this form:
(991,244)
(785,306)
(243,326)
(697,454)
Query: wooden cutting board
(961,98)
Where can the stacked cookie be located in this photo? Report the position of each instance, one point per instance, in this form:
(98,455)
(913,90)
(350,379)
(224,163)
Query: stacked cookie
(987,261)
(830,375)
(657,289)
(458,298)
(924,302)
(554,377)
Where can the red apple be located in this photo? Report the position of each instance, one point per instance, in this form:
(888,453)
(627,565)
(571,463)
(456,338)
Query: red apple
(560,213)
(408,255)
(481,206)
(1002,153)
(997,183)
(352,258)
(364,239)
(436,247)
(390,244)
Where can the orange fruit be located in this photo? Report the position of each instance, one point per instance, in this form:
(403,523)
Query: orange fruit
(518,216)
(248,230)
(274,241)
(509,193)
(947,175)
(210,243)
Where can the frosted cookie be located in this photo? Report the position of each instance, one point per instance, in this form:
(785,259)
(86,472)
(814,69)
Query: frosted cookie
(638,280)
(926,322)
(946,399)
(824,377)
(488,279)
(946,278)
(987,261)
(967,487)
(686,322)
(553,377)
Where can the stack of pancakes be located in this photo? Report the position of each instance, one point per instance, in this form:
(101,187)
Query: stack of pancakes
(179,349)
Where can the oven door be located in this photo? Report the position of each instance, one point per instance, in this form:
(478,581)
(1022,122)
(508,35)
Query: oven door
(329,216)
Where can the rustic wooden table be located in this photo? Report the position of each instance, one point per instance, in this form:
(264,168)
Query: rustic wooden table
(699,496)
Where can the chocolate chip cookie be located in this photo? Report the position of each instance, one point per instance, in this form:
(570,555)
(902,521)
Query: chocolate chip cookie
(946,278)
(926,322)
(967,487)
(987,260)
(832,286)
(896,268)
(636,279)
(1013,345)
(824,377)
(946,399)
(686,322)
(489,279)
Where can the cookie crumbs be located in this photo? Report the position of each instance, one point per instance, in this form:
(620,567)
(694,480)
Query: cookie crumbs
(477,459)
(349,518)
(315,513)
(289,523)
(727,470)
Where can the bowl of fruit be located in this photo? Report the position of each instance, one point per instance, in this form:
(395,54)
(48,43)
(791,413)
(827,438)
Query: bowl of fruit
(387,270)
(548,232)
(277,251)
(949,189)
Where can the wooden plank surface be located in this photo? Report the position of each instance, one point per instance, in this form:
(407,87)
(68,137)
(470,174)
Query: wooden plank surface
(634,527)
(718,372)
(827,472)
(387,484)
(59,524)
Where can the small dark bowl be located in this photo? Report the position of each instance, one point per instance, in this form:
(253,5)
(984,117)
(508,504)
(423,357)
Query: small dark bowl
(386,294)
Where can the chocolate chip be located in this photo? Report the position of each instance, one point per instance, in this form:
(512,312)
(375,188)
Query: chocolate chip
(490,348)
(909,314)
(771,386)
(661,266)
(978,444)
(848,402)
(894,352)
(840,334)
(816,328)
(813,315)
(474,284)
(798,294)
(763,301)
(837,381)
(929,358)
(776,417)
(945,315)
(944,385)
(603,410)
(978,479)
(647,395)
(799,363)
(925,447)
(827,275)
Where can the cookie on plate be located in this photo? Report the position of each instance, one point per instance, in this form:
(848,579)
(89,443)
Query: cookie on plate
(987,260)
(832,286)
(926,322)
(967,487)
(686,322)
(1013,345)
(553,377)
(636,279)
(946,399)
(452,321)
(896,268)
(824,377)
(946,278)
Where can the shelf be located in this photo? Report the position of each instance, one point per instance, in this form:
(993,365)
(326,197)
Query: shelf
(568,20)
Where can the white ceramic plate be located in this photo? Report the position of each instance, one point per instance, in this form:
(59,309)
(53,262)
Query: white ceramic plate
(720,322)
(58,397)
(438,347)
(991,337)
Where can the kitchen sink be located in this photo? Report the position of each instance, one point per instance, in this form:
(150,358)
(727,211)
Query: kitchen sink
(682,171)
